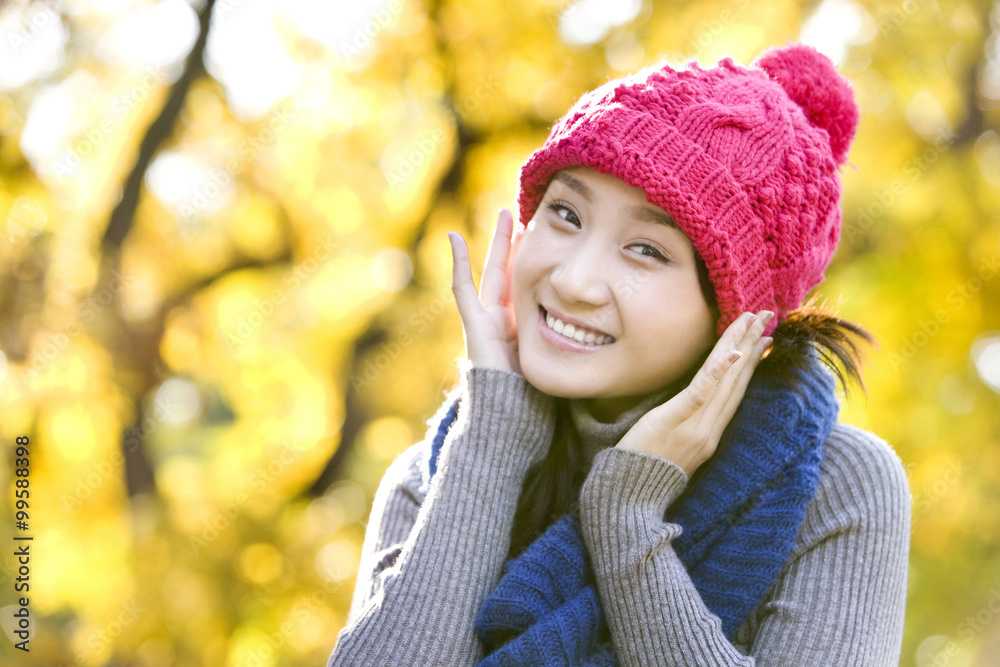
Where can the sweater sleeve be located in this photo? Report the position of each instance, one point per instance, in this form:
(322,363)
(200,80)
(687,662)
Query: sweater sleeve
(839,600)
(421,584)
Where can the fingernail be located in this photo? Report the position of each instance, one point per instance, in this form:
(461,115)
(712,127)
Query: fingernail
(768,316)
(751,319)
(767,341)
(733,356)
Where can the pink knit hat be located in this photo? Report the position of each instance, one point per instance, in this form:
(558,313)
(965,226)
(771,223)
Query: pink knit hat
(744,159)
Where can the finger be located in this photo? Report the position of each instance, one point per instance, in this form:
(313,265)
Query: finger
(745,346)
(705,385)
(494,281)
(462,285)
(723,406)
(732,336)
(729,342)
(728,410)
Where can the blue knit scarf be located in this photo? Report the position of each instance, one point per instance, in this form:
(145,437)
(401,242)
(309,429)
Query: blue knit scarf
(739,522)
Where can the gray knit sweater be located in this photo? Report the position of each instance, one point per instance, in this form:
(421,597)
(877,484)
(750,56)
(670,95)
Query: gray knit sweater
(432,555)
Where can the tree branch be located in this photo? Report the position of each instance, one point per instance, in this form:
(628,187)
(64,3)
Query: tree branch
(136,351)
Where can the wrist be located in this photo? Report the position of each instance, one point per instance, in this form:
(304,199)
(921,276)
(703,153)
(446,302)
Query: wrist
(503,407)
(629,486)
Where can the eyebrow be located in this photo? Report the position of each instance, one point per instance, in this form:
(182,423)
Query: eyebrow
(576,184)
(643,213)
(647,214)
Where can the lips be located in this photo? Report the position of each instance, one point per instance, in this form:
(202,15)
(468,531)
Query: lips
(577,324)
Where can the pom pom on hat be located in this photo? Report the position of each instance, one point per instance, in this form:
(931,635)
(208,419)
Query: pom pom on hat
(825,96)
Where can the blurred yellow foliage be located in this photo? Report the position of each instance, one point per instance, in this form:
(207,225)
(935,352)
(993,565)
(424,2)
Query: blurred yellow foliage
(213,398)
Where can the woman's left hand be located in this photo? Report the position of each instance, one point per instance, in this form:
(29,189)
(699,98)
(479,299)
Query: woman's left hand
(687,428)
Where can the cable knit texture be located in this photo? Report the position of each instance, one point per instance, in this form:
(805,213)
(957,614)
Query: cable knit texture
(738,528)
(435,548)
(745,160)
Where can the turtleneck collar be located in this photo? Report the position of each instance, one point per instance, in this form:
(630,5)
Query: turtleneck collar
(596,435)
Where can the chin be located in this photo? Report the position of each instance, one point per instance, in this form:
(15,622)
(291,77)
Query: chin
(541,379)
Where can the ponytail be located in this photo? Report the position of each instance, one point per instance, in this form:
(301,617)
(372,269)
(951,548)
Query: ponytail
(839,342)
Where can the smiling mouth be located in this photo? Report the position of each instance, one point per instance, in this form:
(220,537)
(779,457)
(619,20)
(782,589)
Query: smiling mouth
(570,332)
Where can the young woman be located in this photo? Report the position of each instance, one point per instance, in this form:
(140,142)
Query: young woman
(642,464)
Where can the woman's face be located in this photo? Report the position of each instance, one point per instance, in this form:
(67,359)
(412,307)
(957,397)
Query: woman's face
(597,254)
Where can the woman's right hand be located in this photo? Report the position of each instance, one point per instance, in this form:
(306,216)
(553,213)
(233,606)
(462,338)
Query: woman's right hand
(488,322)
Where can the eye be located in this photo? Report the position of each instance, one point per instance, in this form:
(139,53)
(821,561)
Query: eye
(564,212)
(654,252)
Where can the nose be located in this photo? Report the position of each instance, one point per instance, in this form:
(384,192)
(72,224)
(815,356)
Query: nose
(580,276)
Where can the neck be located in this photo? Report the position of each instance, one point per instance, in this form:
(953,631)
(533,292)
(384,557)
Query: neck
(603,422)
(608,410)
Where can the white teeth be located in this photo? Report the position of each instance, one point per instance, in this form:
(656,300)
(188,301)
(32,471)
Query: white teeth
(579,335)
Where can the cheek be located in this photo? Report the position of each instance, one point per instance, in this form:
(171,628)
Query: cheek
(698,333)
(525,262)
(682,317)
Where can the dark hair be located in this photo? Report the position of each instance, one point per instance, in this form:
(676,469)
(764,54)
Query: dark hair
(552,487)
